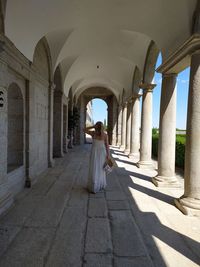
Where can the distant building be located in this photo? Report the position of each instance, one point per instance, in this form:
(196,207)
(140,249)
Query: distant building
(89,114)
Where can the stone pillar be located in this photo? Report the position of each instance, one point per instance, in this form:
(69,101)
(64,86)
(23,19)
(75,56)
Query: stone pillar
(5,196)
(58,124)
(50,126)
(65,126)
(119,126)
(146,127)
(128,129)
(27,134)
(189,203)
(123,132)
(167,134)
(135,128)
(114,122)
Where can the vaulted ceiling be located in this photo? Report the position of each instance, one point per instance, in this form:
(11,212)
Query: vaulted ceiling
(99,43)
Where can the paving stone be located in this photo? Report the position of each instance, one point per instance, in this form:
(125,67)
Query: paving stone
(19,213)
(97,207)
(118,205)
(29,248)
(115,195)
(130,262)
(59,189)
(7,234)
(78,198)
(97,195)
(97,260)
(126,239)
(112,182)
(69,241)
(98,238)
(48,212)
(43,185)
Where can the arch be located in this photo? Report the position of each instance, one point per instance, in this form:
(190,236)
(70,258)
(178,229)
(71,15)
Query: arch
(111,100)
(42,60)
(58,81)
(58,122)
(137,77)
(150,62)
(80,85)
(15,147)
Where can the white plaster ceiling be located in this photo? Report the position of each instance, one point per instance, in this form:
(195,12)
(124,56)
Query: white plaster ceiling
(113,34)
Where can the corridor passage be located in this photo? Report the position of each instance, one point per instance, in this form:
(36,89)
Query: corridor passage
(58,223)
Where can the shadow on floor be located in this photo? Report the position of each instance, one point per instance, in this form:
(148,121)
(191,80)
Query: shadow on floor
(150,225)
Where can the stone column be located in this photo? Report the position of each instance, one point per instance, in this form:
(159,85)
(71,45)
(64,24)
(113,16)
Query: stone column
(58,124)
(114,122)
(146,127)
(65,126)
(124,127)
(167,134)
(5,196)
(128,128)
(135,127)
(50,126)
(189,203)
(119,126)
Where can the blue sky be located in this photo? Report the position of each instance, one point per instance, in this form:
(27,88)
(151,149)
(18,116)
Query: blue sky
(100,107)
(182,97)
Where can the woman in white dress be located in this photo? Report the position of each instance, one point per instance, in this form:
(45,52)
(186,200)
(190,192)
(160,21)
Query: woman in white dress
(99,154)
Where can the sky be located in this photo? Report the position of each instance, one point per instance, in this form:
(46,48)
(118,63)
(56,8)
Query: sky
(100,107)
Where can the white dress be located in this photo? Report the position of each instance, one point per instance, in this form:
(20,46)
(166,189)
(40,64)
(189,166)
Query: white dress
(97,175)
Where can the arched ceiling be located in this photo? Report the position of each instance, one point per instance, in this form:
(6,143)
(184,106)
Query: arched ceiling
(112,34)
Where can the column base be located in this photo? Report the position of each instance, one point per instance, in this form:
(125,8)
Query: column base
(133,155)
(127,151)
(51,163)
(164,181)
(189,206)
(6,199)
(28,182)
(122,147)
(145,164)
(65,150)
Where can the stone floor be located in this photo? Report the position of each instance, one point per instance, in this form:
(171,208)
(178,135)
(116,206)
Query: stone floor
(58,223)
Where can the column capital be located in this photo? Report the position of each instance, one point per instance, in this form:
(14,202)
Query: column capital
(67,99)
(196,52)
(167,75)
(135,97)
(148,87)
(124,104)
(52,86)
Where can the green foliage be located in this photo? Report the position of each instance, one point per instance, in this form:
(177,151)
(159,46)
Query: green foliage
(155,138)
(180,154)
(180,148)
(73,119)
(154,131)
(181,138)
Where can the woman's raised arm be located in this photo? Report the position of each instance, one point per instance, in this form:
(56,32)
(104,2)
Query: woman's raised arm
(87,130)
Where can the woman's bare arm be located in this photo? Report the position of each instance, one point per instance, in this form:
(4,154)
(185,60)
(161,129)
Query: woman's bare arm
(87,130)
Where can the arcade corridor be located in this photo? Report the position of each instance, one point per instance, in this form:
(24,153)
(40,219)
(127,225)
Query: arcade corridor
(133,223)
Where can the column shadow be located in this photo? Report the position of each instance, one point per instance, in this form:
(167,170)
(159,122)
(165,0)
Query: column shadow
(151,227)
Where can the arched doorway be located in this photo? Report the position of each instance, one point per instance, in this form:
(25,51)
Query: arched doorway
(96,110)
(112,105)
(15,147)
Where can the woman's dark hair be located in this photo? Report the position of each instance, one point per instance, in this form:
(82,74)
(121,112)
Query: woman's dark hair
(99,128)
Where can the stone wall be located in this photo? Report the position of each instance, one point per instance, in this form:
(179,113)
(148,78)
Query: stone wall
(39,140)
(24,123)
